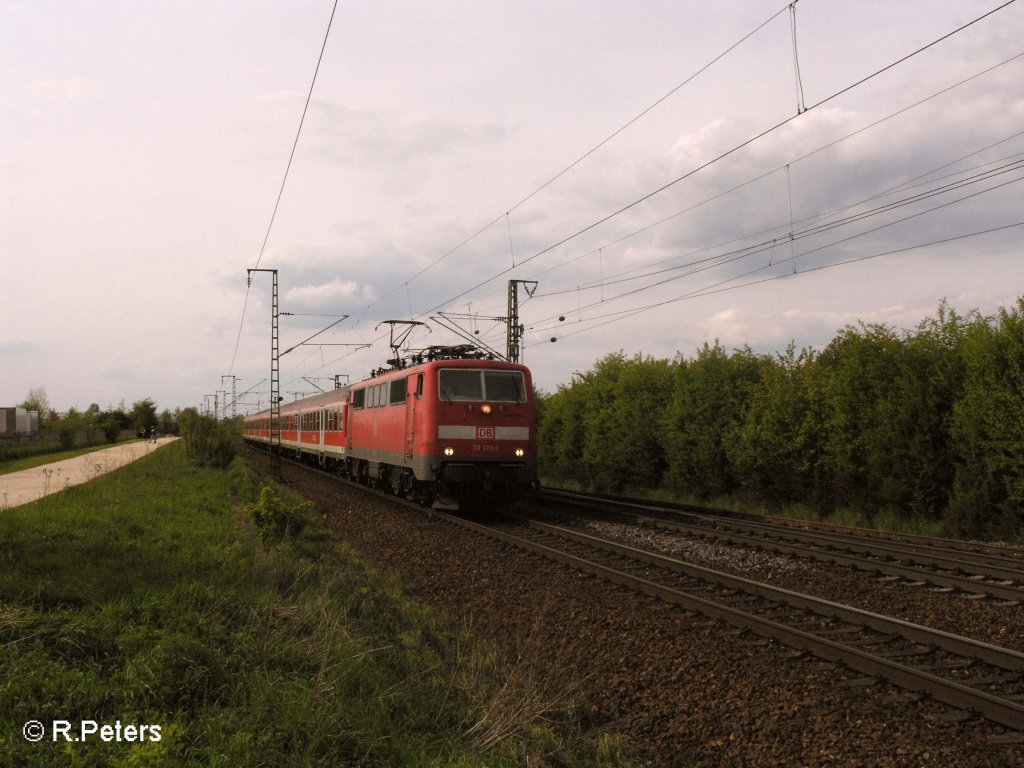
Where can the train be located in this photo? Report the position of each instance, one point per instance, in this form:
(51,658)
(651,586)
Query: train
(448,429)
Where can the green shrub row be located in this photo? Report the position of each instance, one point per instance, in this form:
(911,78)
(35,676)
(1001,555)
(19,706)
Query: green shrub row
(923,425)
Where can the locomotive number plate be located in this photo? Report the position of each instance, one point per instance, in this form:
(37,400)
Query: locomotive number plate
(485,433)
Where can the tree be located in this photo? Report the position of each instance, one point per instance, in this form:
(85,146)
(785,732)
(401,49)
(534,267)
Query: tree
(772,448)
(988,430)
(709,396)
(37,401)
(143,414)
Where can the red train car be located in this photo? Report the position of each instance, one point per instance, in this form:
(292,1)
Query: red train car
(441,431)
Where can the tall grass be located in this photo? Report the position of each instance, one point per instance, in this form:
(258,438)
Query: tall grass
(147,597)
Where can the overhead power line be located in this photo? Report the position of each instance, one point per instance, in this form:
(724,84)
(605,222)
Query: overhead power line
(723,287)
(794,161)
(761,248)
(760,135)
(288,167)
(585,155)
(725,154)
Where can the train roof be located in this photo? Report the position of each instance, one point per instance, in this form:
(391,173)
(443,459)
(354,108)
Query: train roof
(341,393)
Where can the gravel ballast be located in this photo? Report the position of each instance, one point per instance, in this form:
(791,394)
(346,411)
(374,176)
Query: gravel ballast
(684,690)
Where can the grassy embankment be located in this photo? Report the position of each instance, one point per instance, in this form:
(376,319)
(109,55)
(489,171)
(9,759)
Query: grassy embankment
(148,597)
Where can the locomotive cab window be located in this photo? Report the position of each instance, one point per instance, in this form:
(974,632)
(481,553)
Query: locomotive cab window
(459,385)
(505,386)
(358,398)
(474,385)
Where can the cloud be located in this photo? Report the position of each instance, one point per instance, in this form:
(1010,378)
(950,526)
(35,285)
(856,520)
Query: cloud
(19,348)
(356,137)
(65,90)
(336,293)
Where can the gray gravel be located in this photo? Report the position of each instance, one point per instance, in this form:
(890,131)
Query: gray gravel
(685,691)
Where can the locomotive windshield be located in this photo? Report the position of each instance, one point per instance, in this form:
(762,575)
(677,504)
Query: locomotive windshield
(474,385)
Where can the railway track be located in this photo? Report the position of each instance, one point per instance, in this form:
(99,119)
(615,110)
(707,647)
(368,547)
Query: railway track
(966,674)
(975,571)
(1008,551)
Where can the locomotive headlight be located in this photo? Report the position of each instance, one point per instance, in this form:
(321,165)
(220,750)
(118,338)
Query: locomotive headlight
(520,452)
(485,409)
(449,451)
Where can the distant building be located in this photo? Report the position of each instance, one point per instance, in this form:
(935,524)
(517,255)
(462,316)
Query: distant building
(17,422)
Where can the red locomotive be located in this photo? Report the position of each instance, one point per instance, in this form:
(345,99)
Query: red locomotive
(448,428)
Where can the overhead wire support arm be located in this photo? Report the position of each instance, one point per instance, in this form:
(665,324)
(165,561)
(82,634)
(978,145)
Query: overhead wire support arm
(341,319)
(449,323)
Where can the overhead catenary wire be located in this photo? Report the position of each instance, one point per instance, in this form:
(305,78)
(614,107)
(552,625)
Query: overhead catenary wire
(725,154)
(746,253)
(818,104)
(582,157)
(280,192)
(722,286)
(561,173)
(796,160)
(800,233)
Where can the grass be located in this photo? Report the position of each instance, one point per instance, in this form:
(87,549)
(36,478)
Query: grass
(148,597)
(17,465)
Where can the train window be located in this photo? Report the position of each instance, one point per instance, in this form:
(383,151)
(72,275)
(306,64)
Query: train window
(382,394)
(505,386)
(419,385)
(358,398)
(398,388)
(476,385)
(461,385)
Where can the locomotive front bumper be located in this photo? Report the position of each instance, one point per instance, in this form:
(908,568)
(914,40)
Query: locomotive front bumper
(485,473)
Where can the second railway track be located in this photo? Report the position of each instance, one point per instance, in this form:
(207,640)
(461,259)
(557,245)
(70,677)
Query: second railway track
(965,673)
(973,572)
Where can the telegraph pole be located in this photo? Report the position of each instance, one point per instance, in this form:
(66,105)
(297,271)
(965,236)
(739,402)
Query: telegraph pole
(515,329)
(275,377)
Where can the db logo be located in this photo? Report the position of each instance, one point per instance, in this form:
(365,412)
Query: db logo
(485,433)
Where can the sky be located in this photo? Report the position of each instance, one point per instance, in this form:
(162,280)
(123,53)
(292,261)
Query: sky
(668,172)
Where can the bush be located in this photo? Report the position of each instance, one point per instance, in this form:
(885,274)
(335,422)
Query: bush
(274,519)
(208,442)
(988,428)
(924,425)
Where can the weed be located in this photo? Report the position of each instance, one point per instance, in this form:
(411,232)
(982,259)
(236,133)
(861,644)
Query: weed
(274,519)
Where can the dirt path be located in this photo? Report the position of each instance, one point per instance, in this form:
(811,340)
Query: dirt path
(19,488)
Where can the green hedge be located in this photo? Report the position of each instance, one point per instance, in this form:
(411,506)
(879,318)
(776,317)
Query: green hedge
(921,425)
